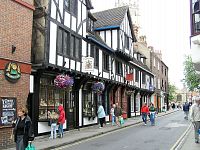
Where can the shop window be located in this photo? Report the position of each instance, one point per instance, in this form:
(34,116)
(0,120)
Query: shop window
(89,103)
(49,98)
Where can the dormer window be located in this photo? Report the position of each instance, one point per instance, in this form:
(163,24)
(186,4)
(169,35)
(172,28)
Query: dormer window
(90,26)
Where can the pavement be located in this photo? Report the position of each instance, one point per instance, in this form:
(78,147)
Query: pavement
(186,142)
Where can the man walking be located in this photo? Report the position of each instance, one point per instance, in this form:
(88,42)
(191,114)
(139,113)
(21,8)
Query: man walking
(145,112)
(186,108)
(118,113)
(195,117)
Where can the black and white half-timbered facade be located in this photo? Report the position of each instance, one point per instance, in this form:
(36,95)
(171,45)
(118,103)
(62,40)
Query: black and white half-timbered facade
(66,35)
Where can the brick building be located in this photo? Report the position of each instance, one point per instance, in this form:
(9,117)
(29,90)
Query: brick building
(15,67)
(160,70)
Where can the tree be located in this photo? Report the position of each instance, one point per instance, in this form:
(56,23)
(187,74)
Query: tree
(172,92)
(191,79)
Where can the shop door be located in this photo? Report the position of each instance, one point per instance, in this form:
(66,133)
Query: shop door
(129,106)
(71,111)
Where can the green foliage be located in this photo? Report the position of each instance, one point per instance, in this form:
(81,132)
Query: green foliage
(191,79)
(172,92)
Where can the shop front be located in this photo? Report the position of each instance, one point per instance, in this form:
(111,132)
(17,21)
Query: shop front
(47,97)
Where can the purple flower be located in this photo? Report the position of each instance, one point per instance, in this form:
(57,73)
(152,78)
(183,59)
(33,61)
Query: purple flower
(98,87)
(63,81)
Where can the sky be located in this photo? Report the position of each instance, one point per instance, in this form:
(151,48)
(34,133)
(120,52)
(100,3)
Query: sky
(166,24)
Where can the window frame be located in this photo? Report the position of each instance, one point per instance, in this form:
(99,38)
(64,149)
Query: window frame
(105,61)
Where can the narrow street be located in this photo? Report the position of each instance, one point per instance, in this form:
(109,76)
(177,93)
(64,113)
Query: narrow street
(163,136)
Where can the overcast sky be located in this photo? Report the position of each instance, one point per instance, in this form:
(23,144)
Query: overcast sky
(166,23)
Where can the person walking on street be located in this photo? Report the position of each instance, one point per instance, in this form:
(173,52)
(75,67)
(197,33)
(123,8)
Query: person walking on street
(186,108)
(145,112)
(152,114)
(195,117)
(112,113)
(53,122)
(22,129)
(101,114)
(118,113)
(61,120)
(165,108)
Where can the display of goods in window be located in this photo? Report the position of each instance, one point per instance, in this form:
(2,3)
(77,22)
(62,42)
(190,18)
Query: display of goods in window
(98,87)
(63,81)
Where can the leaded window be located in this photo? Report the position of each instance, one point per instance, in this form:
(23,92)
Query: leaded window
(59,41)
(105,61)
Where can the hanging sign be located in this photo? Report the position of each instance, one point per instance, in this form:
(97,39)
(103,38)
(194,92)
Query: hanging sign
(12,72)
(88,64)
(129,77)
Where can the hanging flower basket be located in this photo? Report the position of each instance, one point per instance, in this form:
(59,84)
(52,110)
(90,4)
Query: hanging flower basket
(63,81)
(98,87)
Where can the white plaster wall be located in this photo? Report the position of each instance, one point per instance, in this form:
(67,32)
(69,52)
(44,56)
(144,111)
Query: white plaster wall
(74,23)
(72,64)
(108,38)
(61,7)
(67,63)
(67,19)
(195,48)
(84,12)
(102,34)
(114,39)
(78,66)
(100,60)
(59,60)
(53,10)
(52,50)
(106,75)
(84,47)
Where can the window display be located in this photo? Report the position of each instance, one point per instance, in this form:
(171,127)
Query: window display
(50,98)
(89,101)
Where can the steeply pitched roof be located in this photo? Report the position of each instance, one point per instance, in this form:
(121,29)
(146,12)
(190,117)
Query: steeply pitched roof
(110,17)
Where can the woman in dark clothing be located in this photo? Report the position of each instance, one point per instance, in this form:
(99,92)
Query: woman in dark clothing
(22,129)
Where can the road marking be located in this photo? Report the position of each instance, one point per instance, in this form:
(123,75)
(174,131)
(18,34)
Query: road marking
(180,140)
(175,125)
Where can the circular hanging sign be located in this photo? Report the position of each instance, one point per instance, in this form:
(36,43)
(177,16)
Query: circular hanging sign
(12,72)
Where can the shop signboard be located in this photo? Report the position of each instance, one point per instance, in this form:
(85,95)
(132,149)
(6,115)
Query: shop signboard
(7,110)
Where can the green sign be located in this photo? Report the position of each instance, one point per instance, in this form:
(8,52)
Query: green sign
(12,72)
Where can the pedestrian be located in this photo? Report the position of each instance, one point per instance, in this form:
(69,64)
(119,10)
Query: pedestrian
(53,122)
(112,113)
(165,108)
(152,112)
(101,114)
(145,112)
(186,108)
(195,117)
(61,120)
(118,113)
(23,131)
